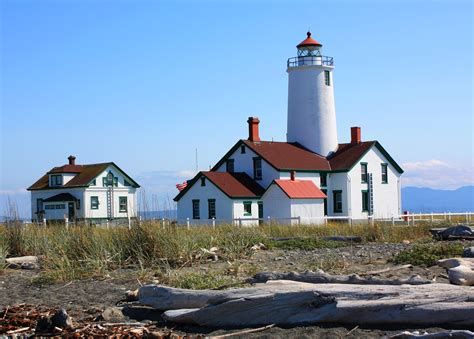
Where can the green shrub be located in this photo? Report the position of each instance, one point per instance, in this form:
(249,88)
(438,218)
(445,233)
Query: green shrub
(428,254)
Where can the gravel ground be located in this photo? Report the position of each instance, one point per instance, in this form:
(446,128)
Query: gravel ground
(86,299)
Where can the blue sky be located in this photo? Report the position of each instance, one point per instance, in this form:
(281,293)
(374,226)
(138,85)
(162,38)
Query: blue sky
(145,83)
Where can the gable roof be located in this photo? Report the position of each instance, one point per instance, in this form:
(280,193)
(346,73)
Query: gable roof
(234,185)
(287,156)
(300,189)
(85,174)
(347,155)
(283,156)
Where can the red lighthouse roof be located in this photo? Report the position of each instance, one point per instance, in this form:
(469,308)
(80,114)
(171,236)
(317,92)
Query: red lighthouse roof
(309,41)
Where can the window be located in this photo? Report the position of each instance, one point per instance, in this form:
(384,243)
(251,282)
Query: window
(229,165)
(122,204)
(110,180)
(327,78)
(365,201)
(94,203)
(196,214)
(56,180)
(337,201)
(78,204)
(257,168)
(324,179)
(93,182)
(242,149)
(363,172)
(211,207)
(39,205)
(247,208)
(384,174)
(325,202)
(49,207)
(203,181)
(60,206)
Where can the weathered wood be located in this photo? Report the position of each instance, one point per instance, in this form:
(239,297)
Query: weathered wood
(292,303)
(460,270)
(320,277)
(388,269)
(458,334)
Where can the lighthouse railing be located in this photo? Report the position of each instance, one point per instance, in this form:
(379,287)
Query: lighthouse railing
(318,60)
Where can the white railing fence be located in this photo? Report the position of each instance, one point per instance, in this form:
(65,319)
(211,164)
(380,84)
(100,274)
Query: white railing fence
(402,219)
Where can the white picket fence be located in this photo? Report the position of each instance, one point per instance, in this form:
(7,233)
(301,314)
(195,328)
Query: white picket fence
(402,219)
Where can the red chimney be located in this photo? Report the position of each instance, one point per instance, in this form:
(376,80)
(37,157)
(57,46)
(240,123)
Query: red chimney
(253,129)
(292,175)
(72,160)
(355,135)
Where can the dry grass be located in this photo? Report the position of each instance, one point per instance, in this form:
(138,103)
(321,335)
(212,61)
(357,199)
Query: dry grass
(82,252)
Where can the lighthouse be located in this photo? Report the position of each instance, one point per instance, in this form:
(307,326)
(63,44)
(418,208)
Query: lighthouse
(311,109)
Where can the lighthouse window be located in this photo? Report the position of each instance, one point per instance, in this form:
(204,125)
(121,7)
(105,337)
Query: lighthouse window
(337,201)
(363,172)
(327,78)
(247,208)
(196,210)
(384,174)
(365,201)
(257,168)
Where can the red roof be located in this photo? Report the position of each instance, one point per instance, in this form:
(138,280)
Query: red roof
(85,174)
(348,154)
(288,156)
(300,189)
(309,41)
(235,185)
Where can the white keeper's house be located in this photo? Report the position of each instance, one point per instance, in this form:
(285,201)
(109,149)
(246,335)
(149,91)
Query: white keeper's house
(309,176)
(93,192)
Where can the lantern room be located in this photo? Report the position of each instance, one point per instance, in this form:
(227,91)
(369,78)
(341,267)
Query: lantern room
(309,47)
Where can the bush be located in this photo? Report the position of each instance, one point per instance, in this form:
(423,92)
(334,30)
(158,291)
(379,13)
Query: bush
(428,254)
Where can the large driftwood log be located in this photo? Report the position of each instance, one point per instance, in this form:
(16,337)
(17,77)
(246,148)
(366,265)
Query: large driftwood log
(320,277)
(292,303)
(460,270)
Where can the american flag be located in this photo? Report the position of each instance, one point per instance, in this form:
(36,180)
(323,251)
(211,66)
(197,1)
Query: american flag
(182,186)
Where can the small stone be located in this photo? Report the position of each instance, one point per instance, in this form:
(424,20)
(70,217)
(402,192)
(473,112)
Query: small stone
(113,314)
(278,259)
(406,242)
(61,319)
(468,252)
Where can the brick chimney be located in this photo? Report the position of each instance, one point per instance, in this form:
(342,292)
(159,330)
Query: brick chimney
(253,129)
(293,175)
(355,135)
(72,160)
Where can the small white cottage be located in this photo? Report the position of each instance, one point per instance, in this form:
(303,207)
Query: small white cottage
(309,176)
(92,192)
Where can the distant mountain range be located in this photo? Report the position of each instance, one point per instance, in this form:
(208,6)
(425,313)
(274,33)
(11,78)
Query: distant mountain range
(425,200)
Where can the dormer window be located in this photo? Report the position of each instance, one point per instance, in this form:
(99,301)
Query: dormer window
(230,165)
(110,180)
(56,180)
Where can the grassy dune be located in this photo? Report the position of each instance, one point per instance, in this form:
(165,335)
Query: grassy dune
(83,252)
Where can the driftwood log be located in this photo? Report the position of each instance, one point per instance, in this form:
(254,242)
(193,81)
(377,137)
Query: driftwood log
(460,270)
(320,277)
(293,303)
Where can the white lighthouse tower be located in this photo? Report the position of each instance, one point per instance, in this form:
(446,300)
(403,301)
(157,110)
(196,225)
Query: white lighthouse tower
(311,109)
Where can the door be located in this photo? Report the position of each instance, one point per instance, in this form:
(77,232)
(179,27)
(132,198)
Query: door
(71,211)
(325,203)
(260,212)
